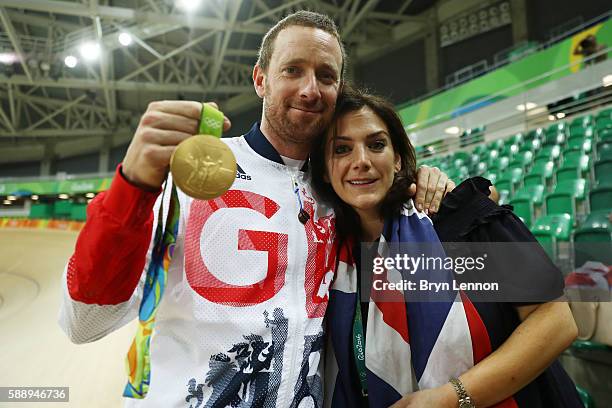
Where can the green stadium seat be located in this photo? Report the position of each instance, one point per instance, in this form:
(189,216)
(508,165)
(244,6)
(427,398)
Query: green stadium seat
(582,132)
(510,150)
(549,230)
(465,156)
(556,128)
(583,143)
(491,176)
(604,135)
(515,139)
(593,239)
(480,168)
(540,174)
(581,122)
(490,154)
(522,159)
(548,153)
(604,113)
(566,197)
(459,162)
(510,179)
(534,134)
(480,149)
(525,202)
(603,123)
(600,197)
(498,164)
(553,139)
(531,146)
(604,150)
(575,165)
(504,197)
(496,144)
(602,171)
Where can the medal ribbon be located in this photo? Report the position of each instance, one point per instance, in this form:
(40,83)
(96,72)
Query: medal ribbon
(138,360)
(359,346)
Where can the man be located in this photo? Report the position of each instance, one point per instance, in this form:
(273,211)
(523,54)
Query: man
(240,323)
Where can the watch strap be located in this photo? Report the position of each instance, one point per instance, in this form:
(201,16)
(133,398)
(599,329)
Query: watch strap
(465,401)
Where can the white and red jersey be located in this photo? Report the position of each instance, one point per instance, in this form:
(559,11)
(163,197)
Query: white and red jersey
(241,320)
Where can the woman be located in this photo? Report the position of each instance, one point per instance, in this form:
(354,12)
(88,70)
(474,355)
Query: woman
(412,349)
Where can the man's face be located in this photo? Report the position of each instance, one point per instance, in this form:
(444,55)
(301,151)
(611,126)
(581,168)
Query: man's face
(301,84)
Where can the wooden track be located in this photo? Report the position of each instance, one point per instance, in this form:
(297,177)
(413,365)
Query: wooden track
(33,349)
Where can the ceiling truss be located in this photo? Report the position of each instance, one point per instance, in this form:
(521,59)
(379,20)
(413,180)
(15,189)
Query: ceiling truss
(207,56)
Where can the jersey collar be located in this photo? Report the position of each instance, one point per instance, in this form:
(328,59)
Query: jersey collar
(262,146)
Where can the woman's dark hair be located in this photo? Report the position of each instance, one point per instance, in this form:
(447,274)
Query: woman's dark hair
(352,99)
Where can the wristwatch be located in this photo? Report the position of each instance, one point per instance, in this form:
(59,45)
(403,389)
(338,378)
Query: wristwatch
(465,401)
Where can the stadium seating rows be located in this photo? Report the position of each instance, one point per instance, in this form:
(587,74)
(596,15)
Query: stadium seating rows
(558,179)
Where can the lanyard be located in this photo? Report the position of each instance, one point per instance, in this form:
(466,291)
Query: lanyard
(359,346)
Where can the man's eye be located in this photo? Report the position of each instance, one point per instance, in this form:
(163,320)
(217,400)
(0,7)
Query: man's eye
(328,77)
(291,70)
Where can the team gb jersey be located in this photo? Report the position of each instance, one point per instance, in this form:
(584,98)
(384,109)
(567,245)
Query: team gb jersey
(241,320)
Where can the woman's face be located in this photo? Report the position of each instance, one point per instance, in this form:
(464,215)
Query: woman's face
(360,161)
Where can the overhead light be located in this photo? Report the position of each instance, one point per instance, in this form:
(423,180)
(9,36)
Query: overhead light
(607,80)
(8,202)
(90,51)
(551,117)
(188,5)
(526,106)
(71,61)
(63,196)
(560,115)
(34,197)
(11,198)
(8,58)
(90,195)
(125,39)
(45,66)
(453,130)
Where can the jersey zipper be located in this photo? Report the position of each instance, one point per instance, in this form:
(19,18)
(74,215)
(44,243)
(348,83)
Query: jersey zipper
(295,291)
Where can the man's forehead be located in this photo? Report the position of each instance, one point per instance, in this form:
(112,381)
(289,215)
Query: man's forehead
(302,43)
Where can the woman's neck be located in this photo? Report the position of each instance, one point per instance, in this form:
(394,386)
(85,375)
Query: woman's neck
(371,226)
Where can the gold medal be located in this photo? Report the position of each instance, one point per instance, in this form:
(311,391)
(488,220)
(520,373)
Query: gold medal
(203,166)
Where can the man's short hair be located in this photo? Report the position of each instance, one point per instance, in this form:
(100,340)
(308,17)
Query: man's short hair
(301,18)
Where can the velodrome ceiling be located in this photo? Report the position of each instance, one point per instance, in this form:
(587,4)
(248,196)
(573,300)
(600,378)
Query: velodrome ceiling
(203,53)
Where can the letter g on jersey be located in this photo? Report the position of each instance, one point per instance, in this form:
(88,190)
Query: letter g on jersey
(208,285)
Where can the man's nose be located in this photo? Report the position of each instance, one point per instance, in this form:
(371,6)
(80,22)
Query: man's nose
(310,87)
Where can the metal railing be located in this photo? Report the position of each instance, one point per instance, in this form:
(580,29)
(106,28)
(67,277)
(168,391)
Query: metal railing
(540,119)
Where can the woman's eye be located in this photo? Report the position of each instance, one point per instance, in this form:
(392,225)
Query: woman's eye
(378,145)
(340,149)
